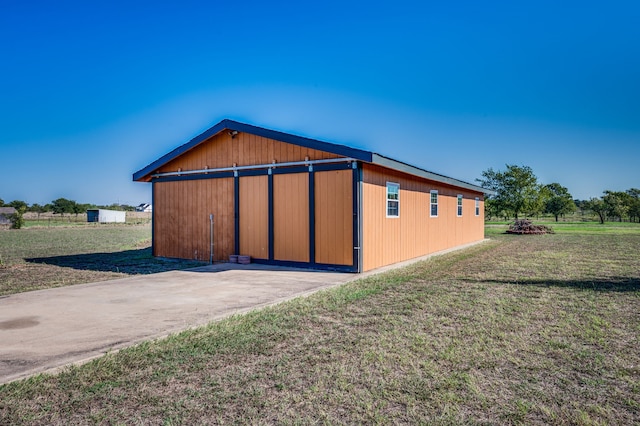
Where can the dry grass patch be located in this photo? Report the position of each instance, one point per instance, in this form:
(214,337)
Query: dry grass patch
(520,330)
(35,259)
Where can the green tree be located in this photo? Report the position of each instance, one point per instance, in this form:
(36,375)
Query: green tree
(558,201)
(1,202)
(617,203)
(517,190)
(597,206)
(17,218)
(634,204)
(62,206)
(18,204)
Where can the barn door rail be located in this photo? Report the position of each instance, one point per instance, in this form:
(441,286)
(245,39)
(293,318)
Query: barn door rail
(256,166)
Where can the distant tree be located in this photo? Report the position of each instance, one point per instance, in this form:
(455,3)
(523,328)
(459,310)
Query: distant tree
(85,207)
(77,208)
(634,204)
(597,206)
(558,200)
(617,204)
(62,206)
(18,204)
(517,190)
(37,208)
(1,202)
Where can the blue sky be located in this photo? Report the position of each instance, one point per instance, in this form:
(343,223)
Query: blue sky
(91,92)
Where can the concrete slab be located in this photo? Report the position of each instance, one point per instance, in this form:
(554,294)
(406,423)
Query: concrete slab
(41,331)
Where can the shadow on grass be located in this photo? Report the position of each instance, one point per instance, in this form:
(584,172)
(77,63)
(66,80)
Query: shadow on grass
(130,262)
(613,284)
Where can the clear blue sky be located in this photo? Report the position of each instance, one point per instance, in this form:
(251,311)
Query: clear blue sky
(91,92)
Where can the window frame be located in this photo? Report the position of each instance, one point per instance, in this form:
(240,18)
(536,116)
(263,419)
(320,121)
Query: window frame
(432,204)
(391,200)
(477,206)
(459,203)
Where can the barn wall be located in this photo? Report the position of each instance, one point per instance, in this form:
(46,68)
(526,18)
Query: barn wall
(414,233)
(244,149)
(334,217)
(181,219)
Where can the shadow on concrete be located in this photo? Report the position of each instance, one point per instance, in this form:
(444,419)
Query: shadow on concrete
(130,262)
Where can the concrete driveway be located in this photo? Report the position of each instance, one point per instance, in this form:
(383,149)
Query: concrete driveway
(41,331)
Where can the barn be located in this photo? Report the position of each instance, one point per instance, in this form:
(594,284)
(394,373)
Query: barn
(289,200)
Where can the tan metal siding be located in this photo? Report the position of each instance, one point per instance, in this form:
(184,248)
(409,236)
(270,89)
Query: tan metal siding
(244,149)
(334,217)
(254,216)
(414,233)
(291,217)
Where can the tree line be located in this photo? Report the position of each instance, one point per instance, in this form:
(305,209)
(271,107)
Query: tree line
(59,206)
(518,192)
(63,206)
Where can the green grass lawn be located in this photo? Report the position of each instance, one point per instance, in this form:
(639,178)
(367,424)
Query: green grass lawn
(38,258)
(518,330)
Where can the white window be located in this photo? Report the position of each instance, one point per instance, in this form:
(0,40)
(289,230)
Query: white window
(393,199)
(434,203)
(459,204)
(477,206)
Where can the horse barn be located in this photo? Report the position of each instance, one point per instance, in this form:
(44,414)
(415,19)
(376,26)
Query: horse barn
(289,200)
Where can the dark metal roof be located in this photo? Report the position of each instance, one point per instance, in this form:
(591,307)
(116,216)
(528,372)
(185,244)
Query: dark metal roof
(343,150)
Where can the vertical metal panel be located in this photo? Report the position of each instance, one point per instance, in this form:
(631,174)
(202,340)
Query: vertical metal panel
(254,216)
(334,217)
(312,217)
(291,217)
(270,215)
(236,213)
(153,219)
(356,207)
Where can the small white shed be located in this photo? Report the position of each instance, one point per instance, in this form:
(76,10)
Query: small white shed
(106,216)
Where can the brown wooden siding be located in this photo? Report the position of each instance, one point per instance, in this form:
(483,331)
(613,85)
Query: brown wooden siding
(254,217)
(414,233)
(334,217)
(291,217)
(244,149)
(181,219)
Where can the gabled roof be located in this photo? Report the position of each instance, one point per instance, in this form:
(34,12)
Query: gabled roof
(342,150)
(7,210)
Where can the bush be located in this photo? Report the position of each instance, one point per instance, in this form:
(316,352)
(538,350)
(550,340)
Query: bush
(17,219)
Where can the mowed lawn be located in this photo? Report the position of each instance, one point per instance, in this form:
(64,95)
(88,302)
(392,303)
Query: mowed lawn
(517,330)
(38,258)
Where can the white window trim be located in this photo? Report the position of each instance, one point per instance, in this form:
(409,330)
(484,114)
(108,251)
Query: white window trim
(459,205)
(386,199)
(434,191)
(477,206)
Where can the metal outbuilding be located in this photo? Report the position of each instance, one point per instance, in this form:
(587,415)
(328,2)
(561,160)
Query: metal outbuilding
(106,216)
(289,200)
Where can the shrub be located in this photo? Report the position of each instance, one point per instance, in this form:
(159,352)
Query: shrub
(17,219)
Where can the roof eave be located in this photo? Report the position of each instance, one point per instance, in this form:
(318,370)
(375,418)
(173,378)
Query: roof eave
(390,163)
